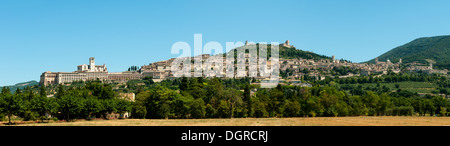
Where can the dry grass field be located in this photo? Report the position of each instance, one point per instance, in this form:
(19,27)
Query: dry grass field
(317,121)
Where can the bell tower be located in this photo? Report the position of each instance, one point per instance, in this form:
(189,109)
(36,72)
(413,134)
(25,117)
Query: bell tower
(92,64)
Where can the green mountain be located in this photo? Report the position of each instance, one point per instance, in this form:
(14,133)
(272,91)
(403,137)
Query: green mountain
(13,88)
(435,48)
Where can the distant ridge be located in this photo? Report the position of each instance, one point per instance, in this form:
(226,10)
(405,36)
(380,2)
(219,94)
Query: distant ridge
(22,85)
(435,48)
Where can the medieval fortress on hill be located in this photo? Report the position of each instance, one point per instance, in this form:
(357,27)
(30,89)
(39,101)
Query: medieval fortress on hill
(161,70)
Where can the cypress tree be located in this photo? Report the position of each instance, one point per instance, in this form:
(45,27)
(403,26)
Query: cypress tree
(42,91)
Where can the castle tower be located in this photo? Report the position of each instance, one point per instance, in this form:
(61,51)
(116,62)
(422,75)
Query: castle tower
(287,43)
(246,42)
(92,64)
(376,60)
(333,59)
(400,61)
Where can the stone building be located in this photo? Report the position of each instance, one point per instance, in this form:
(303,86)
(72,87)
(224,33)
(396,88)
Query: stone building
(87,72)
(286,44)
(92,67)
(124,76)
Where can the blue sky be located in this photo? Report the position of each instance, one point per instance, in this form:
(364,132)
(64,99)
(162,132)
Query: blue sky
(53,35)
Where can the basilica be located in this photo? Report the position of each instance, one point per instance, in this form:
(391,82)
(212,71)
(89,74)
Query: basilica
(87,72)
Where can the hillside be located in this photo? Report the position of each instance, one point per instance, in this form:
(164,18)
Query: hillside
(13,88)
(292,52)
(434,48)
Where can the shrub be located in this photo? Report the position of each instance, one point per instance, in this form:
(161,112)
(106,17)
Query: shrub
(400,111)
(2,117)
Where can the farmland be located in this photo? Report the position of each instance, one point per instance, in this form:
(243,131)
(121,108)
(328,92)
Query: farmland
(316,121)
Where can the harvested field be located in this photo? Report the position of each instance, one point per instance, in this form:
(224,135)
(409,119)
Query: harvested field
(317,121)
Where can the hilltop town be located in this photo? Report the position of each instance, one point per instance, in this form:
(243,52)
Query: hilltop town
(290,69)
(297,68)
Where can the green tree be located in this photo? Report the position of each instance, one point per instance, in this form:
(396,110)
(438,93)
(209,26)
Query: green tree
(247,96)
(148,80)
(164,111)
(223,110)
(234,101)
(371,100)
(184,84)
(430,107)
(210,111)
(43,105)
(108,107)
(60,93)
(138,111)
(213,89)
(196,89)
(159,102)
(314,107)
(292,109)
(259,109)
(101,91)
(123,106)
(42,91)
(92,107)
(443,111)
(6,91)
(70,107)
(181,105)
(18,91)
(11,104)
(274,104)
(198,109)
(28,95)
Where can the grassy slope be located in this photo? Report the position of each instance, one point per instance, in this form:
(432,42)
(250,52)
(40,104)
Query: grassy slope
(435,48)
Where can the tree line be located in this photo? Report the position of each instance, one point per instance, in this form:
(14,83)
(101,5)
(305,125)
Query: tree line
(94,100)
(209,98)
(388,78)
(215,98)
